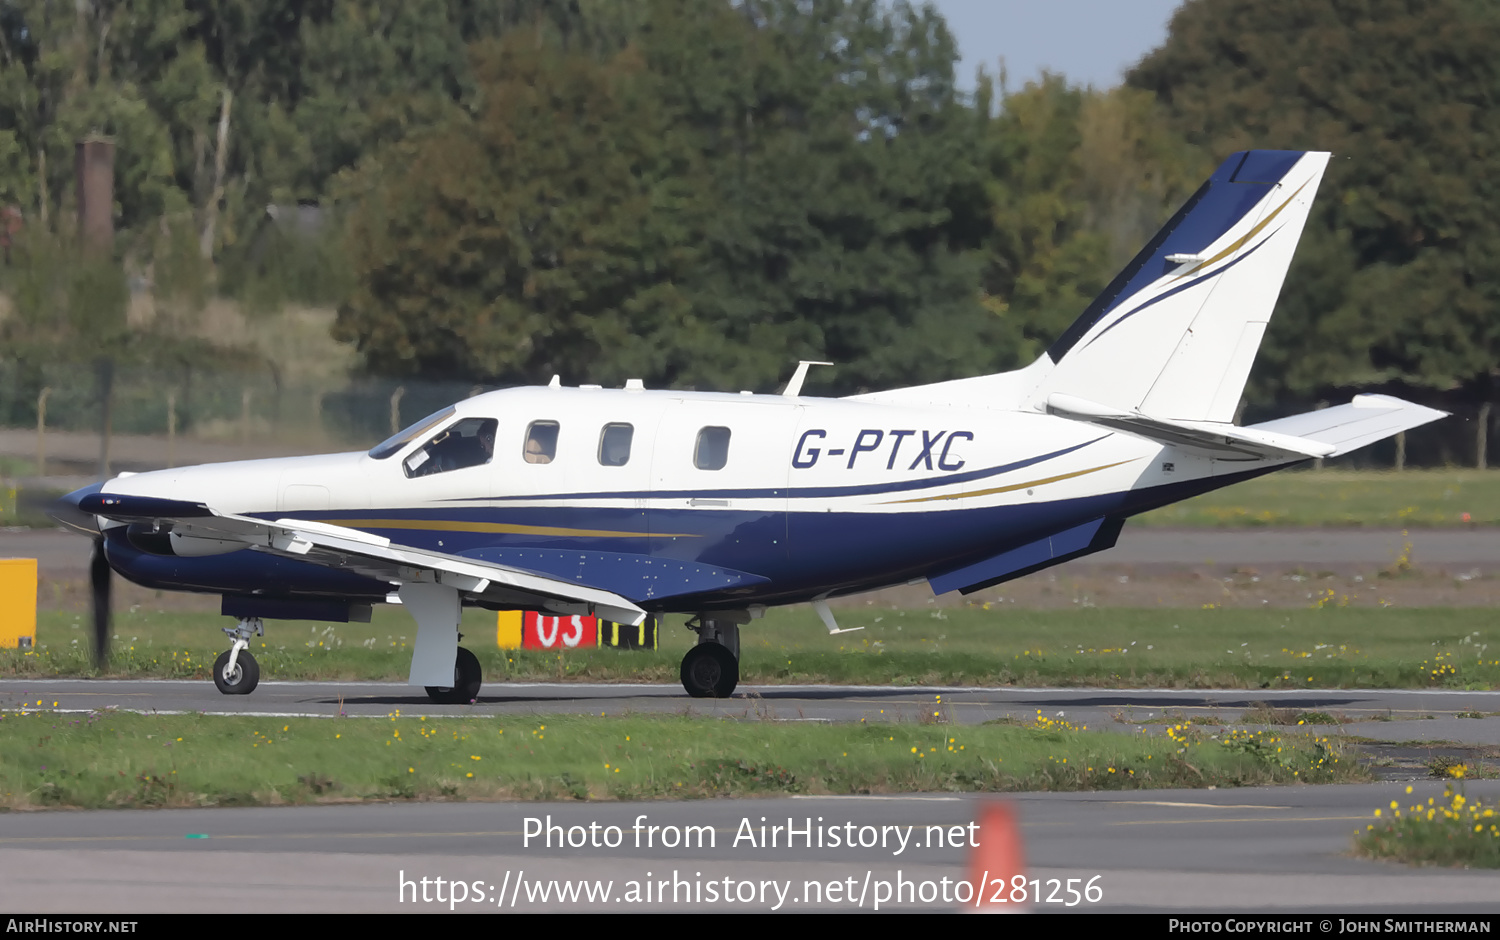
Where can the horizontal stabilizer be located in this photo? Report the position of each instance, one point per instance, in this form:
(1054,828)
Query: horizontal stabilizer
(1365,420)
(1209,437)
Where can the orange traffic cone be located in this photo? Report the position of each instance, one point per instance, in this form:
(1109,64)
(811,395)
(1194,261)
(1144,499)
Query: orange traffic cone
(997,864)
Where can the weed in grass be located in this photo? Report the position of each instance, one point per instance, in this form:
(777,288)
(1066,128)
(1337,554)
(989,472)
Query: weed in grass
(935,716)
(317,784)
(1444,766)
(576,788)
(1455,832)
(398,787)
(1263,714)
(1167,718)
(1320,718)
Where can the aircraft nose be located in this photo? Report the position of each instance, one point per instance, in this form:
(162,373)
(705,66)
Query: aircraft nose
(66,511)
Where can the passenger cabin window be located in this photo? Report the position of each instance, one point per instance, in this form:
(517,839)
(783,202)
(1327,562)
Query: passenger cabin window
(614,445)
(541,442)
(712,452)
(469,443)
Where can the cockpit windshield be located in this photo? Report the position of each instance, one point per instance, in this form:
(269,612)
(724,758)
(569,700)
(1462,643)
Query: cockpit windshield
(396,442)
(466,443)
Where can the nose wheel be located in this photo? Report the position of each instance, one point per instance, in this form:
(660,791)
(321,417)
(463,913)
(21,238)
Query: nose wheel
(235,671)
(466,681)
(237,678)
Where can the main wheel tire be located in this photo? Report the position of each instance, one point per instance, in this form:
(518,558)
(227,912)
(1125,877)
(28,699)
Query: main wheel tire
(709,670)
(467,679)
(243,680)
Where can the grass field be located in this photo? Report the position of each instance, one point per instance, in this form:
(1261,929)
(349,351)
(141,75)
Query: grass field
(1315,647)
(1368,498)
(111,759)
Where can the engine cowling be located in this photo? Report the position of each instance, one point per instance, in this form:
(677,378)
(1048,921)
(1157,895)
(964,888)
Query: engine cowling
(153,540)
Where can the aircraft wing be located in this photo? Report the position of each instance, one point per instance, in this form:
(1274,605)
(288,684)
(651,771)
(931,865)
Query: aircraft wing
(371,555)
(1216,439)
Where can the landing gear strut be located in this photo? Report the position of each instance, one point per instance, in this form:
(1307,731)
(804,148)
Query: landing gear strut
(712,668)
(466,681)
(235,671)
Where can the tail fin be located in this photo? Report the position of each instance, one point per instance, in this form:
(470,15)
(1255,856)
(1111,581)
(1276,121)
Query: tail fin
(1174,335)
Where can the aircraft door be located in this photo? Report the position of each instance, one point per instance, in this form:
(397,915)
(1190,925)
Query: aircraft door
(719,474)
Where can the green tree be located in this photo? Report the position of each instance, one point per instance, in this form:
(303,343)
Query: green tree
(740,186)
(59,82)
(531,238)
(1399,271)
(848,203)
(1078,181)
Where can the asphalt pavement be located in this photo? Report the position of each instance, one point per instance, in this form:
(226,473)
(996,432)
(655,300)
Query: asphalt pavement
(1262,852)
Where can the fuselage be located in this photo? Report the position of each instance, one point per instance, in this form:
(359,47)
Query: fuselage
(682,501)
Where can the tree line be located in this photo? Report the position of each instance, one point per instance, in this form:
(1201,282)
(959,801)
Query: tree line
(699,192)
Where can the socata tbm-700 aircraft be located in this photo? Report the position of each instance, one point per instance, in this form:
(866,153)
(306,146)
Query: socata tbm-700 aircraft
(632,502)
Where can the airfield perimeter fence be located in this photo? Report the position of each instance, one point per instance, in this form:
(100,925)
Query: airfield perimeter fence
(192,414)
(189,414)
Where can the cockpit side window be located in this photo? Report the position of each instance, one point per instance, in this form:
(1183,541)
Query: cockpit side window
(712,452)
(398,441)
(541,442)
(614,445)
(468,443)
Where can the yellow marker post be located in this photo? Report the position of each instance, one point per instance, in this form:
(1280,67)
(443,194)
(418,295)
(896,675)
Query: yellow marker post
(17,603)
(508,630)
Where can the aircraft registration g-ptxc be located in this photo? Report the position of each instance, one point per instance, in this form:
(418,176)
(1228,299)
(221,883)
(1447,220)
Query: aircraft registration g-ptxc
(628,503)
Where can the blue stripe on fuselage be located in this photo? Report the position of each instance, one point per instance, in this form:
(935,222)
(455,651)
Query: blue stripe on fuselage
(796,492)
(802,554)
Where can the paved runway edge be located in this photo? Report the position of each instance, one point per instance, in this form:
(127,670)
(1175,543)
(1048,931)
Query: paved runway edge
(111,881)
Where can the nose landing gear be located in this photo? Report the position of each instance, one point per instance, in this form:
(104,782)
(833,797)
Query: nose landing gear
(235,671)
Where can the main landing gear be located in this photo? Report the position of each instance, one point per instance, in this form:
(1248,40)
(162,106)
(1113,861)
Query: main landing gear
(466,682)
(711,669)
(235,671)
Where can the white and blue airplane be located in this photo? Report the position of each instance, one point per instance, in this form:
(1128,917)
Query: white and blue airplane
(629,503)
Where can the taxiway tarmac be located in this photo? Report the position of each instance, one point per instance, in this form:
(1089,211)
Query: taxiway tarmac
(1434,715)
(1263,850)
(1266,851)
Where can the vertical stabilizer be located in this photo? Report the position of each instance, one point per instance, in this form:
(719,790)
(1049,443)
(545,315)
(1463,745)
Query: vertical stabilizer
(1175,334)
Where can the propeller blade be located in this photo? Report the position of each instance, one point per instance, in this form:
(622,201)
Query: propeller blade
(99,583)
